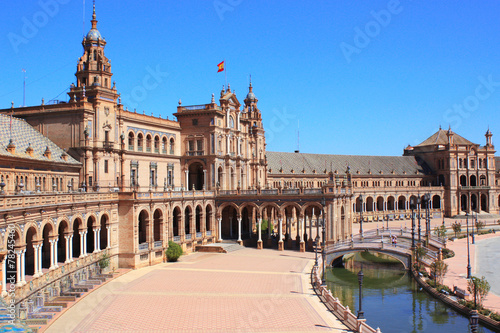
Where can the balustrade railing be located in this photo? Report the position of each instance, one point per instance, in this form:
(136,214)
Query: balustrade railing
(208,233)
(158,244)
(188,237)
(143,246)
(198,235)
(177,239)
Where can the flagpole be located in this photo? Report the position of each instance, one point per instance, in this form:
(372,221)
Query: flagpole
(225,72)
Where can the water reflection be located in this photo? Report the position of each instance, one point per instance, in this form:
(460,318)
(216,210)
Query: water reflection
(392,300)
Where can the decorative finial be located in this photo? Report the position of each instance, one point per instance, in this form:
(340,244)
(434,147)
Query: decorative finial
(250,80)
(439,126)
(120,100)
(43,101)
(180,102)
(93,13)
(213,98)
(12,105)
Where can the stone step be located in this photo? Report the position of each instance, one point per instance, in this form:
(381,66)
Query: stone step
(232,248)
(87,287)
(76,294)
(36,322)
(52,303)
(47,308)
(64,298)
(37,315)
(80,289)
(94,281)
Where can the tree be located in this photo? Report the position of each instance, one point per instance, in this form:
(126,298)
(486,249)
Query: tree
(439,269)
(478,287)
(440,231)
(480,225)
(263,226)
(421,253)
(457,228)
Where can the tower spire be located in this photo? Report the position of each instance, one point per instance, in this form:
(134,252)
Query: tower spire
(94,21)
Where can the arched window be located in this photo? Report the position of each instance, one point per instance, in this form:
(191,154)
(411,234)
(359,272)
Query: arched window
(140,142)
(131,141)
(164,145)
(148,143)
(172,146)
(157,144)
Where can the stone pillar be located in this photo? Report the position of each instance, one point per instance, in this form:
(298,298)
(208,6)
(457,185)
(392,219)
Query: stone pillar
(39,263)
(220,230)
(55,253)
(205,179)
(67,238)
(239,231)
(302,246)
(280,231)
(82,253)
(85,243)
(108,238)
(99,239)
(95,240)
(35,254)
(259,242)
(311,228)
(187,179)
(51,242)
(4,277)
(23,258)
(18,268)
(70,248)
(231,227)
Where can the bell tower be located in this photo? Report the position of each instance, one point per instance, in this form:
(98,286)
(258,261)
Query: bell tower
(93,72)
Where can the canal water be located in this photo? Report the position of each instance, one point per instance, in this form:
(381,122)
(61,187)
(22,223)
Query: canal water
(392,300)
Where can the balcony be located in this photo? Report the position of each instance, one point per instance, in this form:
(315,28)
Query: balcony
(108,145)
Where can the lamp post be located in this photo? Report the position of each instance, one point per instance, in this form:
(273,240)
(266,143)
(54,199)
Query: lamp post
(419,229)
(427,214)
(468,253)
(323,250)
(361,215)
(474,319)
(474,222)
(360,281)
(412,207)
(387,219)
(316,241)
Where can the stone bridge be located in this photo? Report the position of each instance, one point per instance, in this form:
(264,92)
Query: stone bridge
(380,241)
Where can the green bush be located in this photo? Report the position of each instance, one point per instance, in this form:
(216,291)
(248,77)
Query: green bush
(447,253)
(495,316)
(104,261)
(173,252)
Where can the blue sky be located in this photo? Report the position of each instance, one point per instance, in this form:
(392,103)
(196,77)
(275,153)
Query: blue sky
(361,77)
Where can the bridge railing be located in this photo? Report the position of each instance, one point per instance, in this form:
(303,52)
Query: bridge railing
(401,232)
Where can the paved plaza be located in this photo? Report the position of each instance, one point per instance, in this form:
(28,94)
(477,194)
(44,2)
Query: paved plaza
(248,290)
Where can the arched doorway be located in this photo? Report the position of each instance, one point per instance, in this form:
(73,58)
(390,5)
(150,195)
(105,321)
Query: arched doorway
(187,220)
(229,223)
(220,178)
(369,204)
(47,233)
(29,266)
(473,202)
(176,219)
(196,176)
(157,225)
(463,180)
(401,203)
(390,203)
(90,234)
(380,204)
(473,180)
(208,218)
(143,227)
(76,238)
(436,202)
(61,242)
(198,218)
(104,232)
(484,203)
(463,203)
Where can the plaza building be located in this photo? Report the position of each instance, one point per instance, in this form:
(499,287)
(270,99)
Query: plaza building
(87,178)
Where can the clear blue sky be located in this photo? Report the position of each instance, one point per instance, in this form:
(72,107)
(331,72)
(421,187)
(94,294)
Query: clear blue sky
(359,80)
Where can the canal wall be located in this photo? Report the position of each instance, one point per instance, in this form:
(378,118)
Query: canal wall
(343,313)
(486,321)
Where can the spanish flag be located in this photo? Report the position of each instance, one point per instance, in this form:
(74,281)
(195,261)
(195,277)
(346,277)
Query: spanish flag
(220,67)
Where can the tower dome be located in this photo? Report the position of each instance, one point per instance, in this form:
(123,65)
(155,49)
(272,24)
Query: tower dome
(93,34)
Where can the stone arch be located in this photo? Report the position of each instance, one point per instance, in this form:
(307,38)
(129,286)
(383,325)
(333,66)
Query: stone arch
(47,236)
(402,258)
(91,224)
(197,217)
(149,141)
(188,212)
(380,204)
(474,202)
(143,226)
(473,180)
(176,220)
(157,225)
(208,217)
(196,175)
(402,202)
(172,146)
(226,204)
(464,203)
(436,202)
(62,231)
(103,232)
(229,224)
(30,238)
(369,203)
(390,202)
(131,140)
(484,202)
(140,141)
(156,143)
(77,226)
(164,144)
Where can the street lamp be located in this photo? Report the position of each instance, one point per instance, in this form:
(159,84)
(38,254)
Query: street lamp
(472,223)
(474,320)
(419,229)
(361,215)
(316,242)
(323,250)
(412,207)
(468,253)
(427,199)
(360,281)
